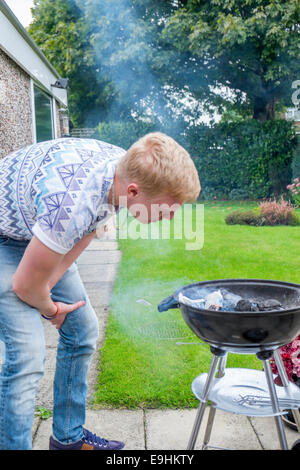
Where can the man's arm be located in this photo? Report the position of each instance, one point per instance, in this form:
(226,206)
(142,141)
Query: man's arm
(39,270)
(69,258)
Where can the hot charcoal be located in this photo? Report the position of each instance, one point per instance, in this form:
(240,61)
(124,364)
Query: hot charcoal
(224,300)
(239,315)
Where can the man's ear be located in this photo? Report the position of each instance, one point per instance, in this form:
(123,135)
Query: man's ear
(133,189)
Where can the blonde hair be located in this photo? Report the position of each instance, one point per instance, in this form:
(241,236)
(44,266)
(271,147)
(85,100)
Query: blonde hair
(161,166)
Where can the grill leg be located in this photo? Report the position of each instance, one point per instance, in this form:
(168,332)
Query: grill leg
(275,404)
(212,411)
(210,422)
(285,382)
(203,402)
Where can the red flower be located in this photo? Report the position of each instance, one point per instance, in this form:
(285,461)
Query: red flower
(290,354)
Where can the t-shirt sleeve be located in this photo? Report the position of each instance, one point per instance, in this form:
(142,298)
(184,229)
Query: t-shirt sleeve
(71,193)
(47,240)
(68,221)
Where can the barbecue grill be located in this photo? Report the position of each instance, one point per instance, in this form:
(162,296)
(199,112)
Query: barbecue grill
(243,391)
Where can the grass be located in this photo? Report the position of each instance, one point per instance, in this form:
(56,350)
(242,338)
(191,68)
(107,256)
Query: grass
(141,365)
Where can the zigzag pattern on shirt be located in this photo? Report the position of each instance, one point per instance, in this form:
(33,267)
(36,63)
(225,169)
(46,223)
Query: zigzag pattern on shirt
(29,167)
(9,214)
(59,184)
(59,205)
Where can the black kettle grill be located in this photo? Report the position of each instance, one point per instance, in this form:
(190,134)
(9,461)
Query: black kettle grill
(251,332)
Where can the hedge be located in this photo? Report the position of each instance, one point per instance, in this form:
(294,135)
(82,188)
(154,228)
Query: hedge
(122,134)
(241,160)
(238,160)
(296,161)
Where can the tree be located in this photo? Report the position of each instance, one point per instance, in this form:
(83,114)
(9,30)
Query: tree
(156,61)
(124,35)
(200,49)
(106,49)
(60,30)
(251,47)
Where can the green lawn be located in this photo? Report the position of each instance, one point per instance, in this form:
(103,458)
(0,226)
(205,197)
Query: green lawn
(141,364)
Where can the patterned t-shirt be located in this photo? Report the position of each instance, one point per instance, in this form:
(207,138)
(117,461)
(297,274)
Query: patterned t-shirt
(57,190)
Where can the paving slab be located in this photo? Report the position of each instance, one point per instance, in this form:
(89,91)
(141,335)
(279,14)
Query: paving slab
(104,257)
(102,245)
(98,272)
(99,293)
(123,425)
(265,429)
(171,429)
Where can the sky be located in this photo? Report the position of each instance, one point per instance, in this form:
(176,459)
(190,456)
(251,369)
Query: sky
(21,8)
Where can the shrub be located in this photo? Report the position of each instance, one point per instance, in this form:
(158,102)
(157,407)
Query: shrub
(294,188)
(243,218)
(243,159)
(238,194)
(237,160)
(279,212)
(209,194)
(268,213)
(296,161)
(123,134)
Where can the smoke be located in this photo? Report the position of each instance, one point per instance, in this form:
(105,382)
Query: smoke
(121,50)
(123,46)
(135,309)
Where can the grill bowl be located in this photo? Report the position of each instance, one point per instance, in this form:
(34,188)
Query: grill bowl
(243,332)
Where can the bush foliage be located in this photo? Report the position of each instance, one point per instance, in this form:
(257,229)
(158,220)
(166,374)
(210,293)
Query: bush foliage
(277,213)
(296,161)
(122,134)
(243,218)
(246,159)
(236,160)
(294,189)
(269,212)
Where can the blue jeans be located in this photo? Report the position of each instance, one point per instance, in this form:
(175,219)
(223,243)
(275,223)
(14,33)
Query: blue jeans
(22,333)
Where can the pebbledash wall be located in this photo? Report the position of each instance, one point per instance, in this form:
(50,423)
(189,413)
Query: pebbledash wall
(32,109)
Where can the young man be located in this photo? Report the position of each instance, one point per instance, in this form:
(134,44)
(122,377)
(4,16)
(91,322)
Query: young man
(51,199)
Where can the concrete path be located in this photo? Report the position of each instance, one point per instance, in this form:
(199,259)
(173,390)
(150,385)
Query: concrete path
(142,429)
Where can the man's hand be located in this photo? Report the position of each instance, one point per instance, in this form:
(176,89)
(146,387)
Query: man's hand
(39,269)
(64,309)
